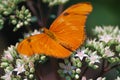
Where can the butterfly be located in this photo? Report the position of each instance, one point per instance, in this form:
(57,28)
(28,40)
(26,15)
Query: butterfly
(63,37)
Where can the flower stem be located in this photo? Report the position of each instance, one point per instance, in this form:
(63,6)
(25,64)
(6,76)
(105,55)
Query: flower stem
(33,10)
(60,9)
(28,28)
(83,72)
(102,67)
(110,68)
(41,16)
(48,14)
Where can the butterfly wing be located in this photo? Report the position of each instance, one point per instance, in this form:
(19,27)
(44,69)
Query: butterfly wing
(42,44)
(68,29)
(69,26)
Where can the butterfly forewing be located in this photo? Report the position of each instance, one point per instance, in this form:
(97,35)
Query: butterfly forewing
(69,26)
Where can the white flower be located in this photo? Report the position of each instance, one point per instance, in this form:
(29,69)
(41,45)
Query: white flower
(11,48)
(26,59)
(20,68)
(106,38)
(31,64)
(32,33)
(7,76)
(98,29)
(77,76)
(81,54)
(63,1)
(67,68)
(119,54)
(26,35)
(108,52)
(35,32)
(100,78)
(118,78)
(118,38)
(93,57)
(7,55)
(83,78)
(55,2)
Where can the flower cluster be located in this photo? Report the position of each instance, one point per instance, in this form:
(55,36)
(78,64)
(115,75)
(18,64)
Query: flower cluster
(70,68)
(107,33)
(101,50)
(55,2)
(19,67)
(22,17)
(6,8)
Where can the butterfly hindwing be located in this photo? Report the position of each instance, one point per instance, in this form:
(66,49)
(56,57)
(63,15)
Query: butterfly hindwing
(42,44)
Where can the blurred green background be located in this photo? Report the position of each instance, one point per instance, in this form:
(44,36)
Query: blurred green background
(105,12)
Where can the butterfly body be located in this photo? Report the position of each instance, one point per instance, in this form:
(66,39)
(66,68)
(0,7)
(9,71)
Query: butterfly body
(65,34)
(49,33)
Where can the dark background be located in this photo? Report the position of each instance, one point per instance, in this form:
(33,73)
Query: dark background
(105,13)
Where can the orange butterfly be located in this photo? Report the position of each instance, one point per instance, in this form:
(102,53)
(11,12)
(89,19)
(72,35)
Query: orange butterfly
(65,35)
